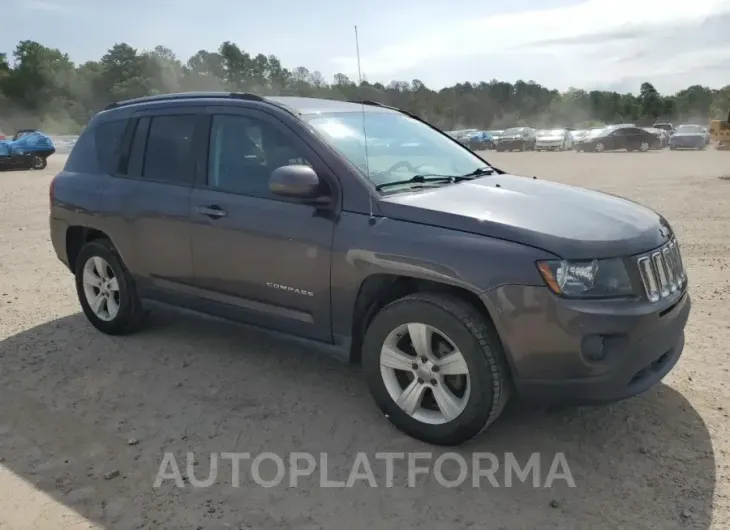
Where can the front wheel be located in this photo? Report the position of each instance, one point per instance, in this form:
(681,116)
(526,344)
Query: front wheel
(600,147)
(106,289)
(436,368)
(644,147)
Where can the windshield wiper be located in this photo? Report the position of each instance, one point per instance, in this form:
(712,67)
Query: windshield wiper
(479,172)
(422,179)
(417,179)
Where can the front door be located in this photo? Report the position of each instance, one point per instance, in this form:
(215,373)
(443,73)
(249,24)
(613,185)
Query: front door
(256,256)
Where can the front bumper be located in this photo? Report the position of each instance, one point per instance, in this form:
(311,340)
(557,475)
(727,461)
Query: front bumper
(512,144)
(549,145)
(687,143)
(584,352)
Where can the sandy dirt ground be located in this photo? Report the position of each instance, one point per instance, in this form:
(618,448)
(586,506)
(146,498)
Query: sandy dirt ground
(86,419)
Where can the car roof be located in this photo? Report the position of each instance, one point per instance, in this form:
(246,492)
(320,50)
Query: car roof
(303,105)
(295,104)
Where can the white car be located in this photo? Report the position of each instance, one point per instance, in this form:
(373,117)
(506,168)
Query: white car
(553,140)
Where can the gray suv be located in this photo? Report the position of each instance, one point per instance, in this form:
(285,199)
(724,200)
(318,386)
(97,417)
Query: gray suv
(368,232)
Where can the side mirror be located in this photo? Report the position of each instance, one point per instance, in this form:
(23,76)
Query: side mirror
(297,182)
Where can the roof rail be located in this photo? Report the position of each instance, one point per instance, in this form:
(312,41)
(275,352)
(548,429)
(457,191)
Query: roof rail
(185,95)
(375,104)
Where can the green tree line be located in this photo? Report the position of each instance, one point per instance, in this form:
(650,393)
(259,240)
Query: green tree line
(42,87)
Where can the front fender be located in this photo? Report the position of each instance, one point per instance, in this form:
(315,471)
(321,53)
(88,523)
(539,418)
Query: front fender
(468,261)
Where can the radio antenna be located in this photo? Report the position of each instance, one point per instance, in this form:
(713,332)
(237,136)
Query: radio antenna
(364,128)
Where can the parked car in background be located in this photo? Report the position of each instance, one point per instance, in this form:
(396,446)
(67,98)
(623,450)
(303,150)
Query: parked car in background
(478,140)
(496,135)
(517,139)
(553,140)
(578,134)
(28,149)
(661,134)
(665,126)
(689,137)
(618,138)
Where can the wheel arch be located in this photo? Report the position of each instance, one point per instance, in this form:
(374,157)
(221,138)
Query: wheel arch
(380,289)
(76,237)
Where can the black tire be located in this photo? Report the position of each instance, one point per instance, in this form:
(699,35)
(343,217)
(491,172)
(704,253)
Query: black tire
(480,346)
(131,314)
(38,162)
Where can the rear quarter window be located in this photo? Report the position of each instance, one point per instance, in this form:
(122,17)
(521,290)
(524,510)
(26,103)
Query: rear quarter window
(109,138)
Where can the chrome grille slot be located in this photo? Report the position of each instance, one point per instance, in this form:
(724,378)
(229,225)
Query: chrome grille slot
(671,269)
(662,272)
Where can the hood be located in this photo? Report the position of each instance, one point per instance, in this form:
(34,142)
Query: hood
(568,221)
(552,138)
(512,137)
(689,135)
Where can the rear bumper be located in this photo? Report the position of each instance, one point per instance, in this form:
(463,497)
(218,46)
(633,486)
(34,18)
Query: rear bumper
(58,239)
(587,352)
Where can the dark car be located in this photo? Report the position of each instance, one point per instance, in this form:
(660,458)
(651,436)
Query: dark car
(453,283)
(689,137)
(28,149)
(617,138)
(517,139)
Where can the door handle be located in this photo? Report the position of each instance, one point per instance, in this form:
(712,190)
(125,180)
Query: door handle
(213,211)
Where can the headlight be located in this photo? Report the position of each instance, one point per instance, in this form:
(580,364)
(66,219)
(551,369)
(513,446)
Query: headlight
(598,278)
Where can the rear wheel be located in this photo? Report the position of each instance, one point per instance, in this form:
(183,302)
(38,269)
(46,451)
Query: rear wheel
(435,367)
(38,162)
(106,289)
(600,147)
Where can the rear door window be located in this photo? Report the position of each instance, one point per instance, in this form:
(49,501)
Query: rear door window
(169,155)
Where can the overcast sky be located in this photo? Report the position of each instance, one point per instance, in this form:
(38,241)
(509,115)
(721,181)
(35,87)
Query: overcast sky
(613,44)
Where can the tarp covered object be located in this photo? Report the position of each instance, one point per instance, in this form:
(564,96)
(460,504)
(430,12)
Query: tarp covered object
(28,143)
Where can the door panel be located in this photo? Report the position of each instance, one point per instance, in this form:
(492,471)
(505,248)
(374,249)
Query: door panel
(153,220)
(269,258)
(273,256)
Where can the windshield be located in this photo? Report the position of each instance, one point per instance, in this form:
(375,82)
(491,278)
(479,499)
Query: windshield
(597,132)
(408,147)
(692,129)
(514,131)
(495,133)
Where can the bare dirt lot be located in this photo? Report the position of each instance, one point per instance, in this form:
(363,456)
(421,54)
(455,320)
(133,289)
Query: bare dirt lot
(72,400)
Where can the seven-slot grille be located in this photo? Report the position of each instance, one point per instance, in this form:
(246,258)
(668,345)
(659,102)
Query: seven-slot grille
(662,271)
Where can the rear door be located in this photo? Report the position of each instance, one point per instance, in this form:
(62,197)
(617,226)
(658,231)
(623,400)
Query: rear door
(617,139)
(151,196)
(635,136)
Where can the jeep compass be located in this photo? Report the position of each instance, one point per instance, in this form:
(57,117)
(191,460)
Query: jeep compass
(367,232)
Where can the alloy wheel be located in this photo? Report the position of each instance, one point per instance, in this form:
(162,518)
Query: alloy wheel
(101,288)
(424,373)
